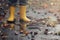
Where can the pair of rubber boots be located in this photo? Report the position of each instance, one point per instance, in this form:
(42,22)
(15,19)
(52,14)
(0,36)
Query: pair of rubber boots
(22,15)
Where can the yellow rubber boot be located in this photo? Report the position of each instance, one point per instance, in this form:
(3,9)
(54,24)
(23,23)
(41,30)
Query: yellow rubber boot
(12,12)
(23,14)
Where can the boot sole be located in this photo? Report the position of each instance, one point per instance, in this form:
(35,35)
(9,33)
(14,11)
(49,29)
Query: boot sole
(11,21)
(22,21)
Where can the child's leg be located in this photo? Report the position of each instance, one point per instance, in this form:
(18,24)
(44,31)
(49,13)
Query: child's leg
(23,17)
(12,4)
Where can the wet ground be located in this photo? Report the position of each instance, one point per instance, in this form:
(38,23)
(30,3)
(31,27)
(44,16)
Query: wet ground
(37,29)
